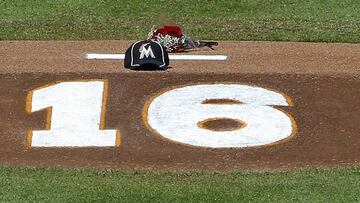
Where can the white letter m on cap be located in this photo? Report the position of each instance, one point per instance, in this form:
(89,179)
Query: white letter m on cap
(146,52)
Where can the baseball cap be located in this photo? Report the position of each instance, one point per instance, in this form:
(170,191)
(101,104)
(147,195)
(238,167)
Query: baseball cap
(146,54)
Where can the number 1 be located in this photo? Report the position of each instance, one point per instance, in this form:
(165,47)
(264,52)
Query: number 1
(76,115)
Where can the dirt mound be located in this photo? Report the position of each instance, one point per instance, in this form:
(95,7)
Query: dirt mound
(321,81)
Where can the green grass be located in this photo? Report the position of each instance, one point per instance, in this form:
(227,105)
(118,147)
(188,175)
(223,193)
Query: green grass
(70,185)
(282,20)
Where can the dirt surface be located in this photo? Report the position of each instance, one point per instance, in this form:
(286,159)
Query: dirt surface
(221,124)
(243,57)
(323,80)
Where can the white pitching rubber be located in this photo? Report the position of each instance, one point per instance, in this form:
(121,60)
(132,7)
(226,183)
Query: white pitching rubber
(171,57)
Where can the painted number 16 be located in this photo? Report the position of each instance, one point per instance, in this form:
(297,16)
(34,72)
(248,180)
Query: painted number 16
(76,115)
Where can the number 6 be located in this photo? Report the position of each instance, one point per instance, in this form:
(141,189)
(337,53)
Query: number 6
(179,115)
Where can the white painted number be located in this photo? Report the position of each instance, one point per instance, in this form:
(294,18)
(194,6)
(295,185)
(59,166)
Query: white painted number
(176,115)
(76,113)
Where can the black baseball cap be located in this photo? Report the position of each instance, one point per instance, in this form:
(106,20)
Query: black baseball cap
(146,54)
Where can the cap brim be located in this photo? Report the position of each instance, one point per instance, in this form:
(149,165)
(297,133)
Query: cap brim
(154,63)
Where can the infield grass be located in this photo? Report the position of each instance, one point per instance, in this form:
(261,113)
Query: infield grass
(280,20)
(70,185)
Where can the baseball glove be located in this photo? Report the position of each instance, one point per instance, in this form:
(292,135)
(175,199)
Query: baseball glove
(174,40)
